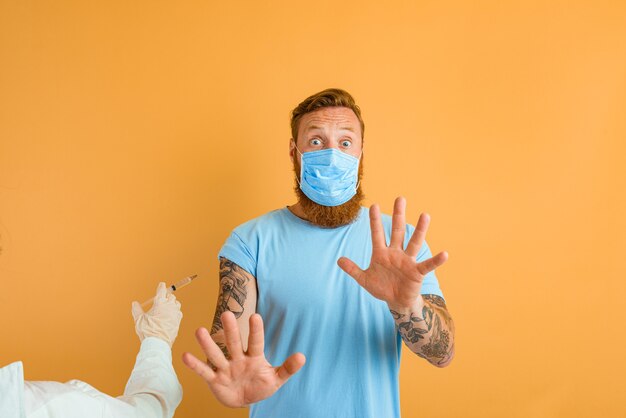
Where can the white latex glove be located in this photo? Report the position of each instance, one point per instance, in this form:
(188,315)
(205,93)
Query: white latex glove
(163,318)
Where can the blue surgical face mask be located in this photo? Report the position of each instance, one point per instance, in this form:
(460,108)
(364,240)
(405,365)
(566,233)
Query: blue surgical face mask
(329,177)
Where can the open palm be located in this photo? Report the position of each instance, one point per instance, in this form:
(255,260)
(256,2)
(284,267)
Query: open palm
(245,377)
(394,275)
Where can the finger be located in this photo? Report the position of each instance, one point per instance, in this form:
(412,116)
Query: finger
(199,367)
(378,233)
(161,292)
(417,239)
(136,310)
(210,349)
(231,334)
(432,263)
(290,367)
(256,339)
(352,269)
(398,223)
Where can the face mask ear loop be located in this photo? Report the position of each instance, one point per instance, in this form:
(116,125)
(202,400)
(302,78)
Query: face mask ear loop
(301,166)
(358,183)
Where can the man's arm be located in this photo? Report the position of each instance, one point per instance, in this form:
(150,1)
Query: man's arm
(427,329)
(238,295)
(395,276)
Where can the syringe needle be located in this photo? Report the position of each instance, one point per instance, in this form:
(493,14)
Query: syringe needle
(172,288)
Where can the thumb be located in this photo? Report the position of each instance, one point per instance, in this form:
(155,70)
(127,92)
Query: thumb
(136,310)
(290,367)
(351,269)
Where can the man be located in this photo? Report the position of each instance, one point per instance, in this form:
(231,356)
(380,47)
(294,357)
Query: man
(290,267)
(152,391)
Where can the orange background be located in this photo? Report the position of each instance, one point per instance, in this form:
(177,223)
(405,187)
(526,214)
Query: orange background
(135,135)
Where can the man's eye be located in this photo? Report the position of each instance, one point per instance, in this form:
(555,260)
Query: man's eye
(346,143)
(315,141)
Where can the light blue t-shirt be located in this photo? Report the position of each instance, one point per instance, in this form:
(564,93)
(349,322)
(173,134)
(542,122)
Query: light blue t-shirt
(310,305)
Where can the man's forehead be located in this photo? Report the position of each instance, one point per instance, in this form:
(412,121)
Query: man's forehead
(330,116)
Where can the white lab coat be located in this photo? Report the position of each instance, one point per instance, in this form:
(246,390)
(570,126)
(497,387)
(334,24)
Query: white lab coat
(152,391)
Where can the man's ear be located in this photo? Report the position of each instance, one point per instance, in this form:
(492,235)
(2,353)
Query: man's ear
(292,148)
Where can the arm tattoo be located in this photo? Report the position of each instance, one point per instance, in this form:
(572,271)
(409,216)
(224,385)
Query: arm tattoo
(426,336)
(436,300)
(410,333)
(233,293)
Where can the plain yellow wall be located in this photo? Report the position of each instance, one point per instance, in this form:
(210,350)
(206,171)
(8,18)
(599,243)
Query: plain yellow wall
(135,135)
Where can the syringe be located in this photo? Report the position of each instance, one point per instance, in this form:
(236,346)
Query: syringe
(172,288)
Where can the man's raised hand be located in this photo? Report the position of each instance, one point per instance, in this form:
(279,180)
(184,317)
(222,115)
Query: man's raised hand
(394,275)
(246,377)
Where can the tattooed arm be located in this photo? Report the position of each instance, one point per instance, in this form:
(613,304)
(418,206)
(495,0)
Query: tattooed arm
(395,276)
(237,294)
(239,375)
(427,329)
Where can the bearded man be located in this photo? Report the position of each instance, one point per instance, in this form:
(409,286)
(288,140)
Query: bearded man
(291,268)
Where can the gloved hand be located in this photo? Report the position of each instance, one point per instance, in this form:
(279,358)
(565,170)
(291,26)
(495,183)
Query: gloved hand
(163,318)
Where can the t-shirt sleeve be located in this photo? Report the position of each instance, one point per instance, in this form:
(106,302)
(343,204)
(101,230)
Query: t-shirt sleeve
(239,252)
(430,286)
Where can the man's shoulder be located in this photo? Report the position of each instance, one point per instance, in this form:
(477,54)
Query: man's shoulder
(267,220)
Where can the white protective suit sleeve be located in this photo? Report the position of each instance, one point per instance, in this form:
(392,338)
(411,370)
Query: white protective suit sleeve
(12,391)
(153,378)
(152,391)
